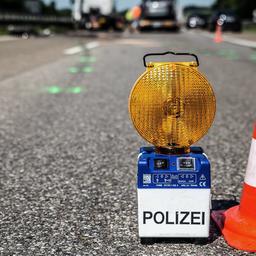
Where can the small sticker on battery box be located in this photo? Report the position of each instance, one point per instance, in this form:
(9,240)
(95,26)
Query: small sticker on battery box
(187,179)
(186,163)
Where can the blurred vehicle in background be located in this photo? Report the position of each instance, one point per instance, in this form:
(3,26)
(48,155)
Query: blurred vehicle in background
(158,14)
(97,15)
(228,19)
(26,31)
(254,16)
(197,20)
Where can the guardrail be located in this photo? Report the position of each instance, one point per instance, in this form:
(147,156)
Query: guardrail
(34,19)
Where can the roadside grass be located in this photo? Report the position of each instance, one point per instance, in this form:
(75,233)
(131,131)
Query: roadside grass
(3,31)
(250,28)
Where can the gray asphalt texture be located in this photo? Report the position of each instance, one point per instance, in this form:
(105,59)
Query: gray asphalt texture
(68,161)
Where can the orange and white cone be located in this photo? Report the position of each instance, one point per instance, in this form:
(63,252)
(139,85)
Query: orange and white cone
(218,32)
(239,222)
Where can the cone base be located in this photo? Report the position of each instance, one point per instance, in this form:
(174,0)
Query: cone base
(217,41)
(239,231)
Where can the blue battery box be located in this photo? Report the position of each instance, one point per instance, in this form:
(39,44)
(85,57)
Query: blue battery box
(191,170)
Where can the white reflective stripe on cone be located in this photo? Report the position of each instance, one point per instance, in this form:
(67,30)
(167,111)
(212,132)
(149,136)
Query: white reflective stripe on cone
(250,177)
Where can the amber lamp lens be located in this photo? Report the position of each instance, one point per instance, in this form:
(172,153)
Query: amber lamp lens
(172,105)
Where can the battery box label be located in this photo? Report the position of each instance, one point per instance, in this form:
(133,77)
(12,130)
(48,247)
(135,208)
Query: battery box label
(187,179)
(172,171)
(175,180)
(166,178)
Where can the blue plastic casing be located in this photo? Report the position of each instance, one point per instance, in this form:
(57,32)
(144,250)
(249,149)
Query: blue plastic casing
(183,171)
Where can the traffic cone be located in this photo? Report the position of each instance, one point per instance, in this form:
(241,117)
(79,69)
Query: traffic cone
(218,34)
(238,224)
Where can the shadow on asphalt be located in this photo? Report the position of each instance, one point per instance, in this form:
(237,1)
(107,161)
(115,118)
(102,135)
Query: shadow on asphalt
(94,34)
(223,204)
(217,205)
(117,34)
(159,31)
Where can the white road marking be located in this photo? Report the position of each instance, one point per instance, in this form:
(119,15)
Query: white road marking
(73,50)
(138,42)
(92,45)
(228,39)
(238,41)
(8,38)
(78,49)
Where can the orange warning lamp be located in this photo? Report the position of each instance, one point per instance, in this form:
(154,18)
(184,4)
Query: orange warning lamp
(172,105)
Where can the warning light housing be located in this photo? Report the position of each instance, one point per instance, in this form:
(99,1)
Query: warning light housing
(172,105)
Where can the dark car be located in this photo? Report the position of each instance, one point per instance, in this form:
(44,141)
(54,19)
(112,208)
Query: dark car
(158,14)
(24,31)
(228,19)
(197,20)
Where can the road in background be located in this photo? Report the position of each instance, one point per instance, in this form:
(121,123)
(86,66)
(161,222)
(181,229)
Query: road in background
(19,55)
(69,151)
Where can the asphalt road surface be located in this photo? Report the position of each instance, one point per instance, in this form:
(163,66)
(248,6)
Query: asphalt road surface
(68,150)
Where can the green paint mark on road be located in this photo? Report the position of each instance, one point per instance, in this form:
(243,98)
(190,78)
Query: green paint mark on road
(253,57)
(228,54)
(54,90)
(85,59)
(222,52)
(92,59)
(206,53)
(73,70)
(234,57)
(75,90)
(87,69)
(57,90)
